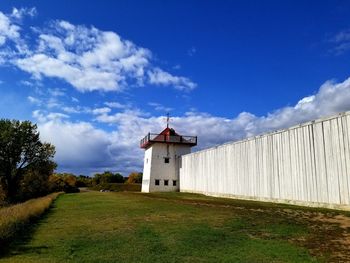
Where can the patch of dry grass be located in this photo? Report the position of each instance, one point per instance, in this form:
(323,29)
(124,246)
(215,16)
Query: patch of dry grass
(14,217)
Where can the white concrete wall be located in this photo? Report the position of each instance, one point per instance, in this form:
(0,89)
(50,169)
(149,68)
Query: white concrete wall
(156,169)
(146,177)
(307,164)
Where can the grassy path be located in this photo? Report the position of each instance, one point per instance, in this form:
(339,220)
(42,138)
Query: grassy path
(174,227)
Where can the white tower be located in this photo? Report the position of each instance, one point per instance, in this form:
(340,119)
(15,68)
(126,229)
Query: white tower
(163,159)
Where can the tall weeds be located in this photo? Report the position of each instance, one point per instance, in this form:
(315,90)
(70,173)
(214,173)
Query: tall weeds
(14,217)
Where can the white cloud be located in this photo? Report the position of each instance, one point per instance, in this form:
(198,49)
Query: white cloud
(121,151)
(130,114)
(76,109)
(71,109)
(8,30)
(87,58)
(20,13)
(88,155)
(56,92)
(57,116)
(11,42)
(341,42)
(53,102)
(38,116)
(48,98)
(33,100)
(27,83)
(116,105)
(192,51)
(159,77)
(101,110)
(43,116)
(159,107)
(342,36)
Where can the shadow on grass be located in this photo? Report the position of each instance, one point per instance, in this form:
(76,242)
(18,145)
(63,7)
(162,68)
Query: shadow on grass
(18,243)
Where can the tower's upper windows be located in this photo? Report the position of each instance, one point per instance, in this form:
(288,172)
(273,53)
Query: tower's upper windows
(166,159)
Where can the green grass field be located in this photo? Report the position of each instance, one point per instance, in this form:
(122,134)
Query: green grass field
(177,227)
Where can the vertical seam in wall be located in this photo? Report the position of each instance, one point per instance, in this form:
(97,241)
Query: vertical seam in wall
(344,122)
(278,164)
(339,168)
(346,166)
(290,163)
(306,175)
(302,162)
(270,145)
(297,163)
(314,160)
(325,160)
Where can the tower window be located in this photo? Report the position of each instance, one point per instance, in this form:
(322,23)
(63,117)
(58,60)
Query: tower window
(174,182)
(166,182)
(166,159)
(157,182)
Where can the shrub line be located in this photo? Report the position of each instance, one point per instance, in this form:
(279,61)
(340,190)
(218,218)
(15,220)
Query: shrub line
(14,218)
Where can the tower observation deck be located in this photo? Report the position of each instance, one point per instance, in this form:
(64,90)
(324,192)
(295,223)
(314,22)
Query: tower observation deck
(168,136)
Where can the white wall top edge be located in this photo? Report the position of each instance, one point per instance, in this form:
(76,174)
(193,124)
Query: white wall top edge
(340,114)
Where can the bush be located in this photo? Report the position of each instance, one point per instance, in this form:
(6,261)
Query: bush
(15,217)
(34,184)
(63,182)
(83,181)
(70,189)
(134,178)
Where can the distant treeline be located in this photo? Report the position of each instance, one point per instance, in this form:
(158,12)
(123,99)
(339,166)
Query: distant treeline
(97,181)
(108,177)
(116,182)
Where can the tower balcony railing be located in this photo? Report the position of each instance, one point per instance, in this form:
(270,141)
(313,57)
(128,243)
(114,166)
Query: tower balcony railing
(177,139)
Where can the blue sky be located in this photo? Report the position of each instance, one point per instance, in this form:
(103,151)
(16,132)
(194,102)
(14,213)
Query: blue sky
(98,75)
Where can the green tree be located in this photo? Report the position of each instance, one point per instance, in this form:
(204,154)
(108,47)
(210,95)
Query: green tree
(117,178)
(106,178)
(66,182)
(134,178)
(21,152)
(83,181)
(35,181)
